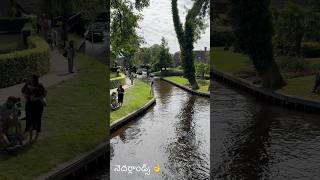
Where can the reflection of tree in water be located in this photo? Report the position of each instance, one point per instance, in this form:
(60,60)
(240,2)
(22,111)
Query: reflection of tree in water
(163,90)
(185,162)
(249,158)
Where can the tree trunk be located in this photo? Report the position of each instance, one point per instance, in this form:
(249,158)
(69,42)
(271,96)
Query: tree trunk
(272,78)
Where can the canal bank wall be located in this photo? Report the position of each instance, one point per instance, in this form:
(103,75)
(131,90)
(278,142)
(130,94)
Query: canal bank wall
(284,100)
(187,89)
(123,121)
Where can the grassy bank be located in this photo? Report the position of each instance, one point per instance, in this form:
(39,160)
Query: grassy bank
(203,84)
(235,63)
(135,97)
(74,122)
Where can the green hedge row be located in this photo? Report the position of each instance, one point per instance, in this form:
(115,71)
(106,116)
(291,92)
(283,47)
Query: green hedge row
(13,25)
(115,82)
(18,65)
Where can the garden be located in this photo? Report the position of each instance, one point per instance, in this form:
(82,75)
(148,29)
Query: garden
(296,49)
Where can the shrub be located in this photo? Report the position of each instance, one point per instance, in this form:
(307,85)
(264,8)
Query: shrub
(169,72)
(293,64)
(18,65)
(221,38)
(13,25)
(311,49)
(115,82)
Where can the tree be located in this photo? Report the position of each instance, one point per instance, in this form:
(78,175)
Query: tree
(202,69)
(188,35)
(165,58)
(124,21)
(252,26)
(293,24)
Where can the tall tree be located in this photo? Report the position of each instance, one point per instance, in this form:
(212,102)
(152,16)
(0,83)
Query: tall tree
(194,25)
(125,16)
(165,58)
(252,25)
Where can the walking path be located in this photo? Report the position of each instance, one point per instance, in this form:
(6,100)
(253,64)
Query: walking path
(58,73)
(126,86)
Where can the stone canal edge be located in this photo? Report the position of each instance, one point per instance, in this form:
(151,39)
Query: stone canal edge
(203,94)
(284,100)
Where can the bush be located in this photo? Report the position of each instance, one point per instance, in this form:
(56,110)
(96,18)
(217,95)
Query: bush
(293,64)
(221,38)
(18,65)
(311,49)
(13,25)
(115,82)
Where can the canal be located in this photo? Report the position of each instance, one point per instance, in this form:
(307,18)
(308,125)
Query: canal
(174,133)
(254,140)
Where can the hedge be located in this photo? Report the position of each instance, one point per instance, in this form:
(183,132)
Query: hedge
(18,65)
(115,82)
(311,49)
(13,25)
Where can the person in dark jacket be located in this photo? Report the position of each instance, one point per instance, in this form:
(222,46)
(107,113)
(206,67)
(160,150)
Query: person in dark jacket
(37,103)
(70,55)
(120,91)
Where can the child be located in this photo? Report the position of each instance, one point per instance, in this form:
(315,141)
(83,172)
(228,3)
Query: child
(114,101)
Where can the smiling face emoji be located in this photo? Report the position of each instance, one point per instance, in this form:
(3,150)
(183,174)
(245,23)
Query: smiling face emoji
(156,168)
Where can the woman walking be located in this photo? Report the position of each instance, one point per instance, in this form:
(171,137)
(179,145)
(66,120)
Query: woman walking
(120,91)
(70,54)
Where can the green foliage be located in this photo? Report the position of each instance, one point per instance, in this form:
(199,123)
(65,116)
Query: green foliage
(311,49)
(124,23)
(10,42)
(202,69)
(165,59)
(293,24)
(18,65)
(90,8)
(191,32)
(115,82)
(293,64)
(221,38)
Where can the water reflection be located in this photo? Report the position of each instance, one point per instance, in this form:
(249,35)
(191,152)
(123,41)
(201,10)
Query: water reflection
(174,133)
(186,165)
(253,140)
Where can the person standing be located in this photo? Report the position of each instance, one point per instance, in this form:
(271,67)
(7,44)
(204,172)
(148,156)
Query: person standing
(120,91)
(317,82)
(70,55)
(37,99)
(151,87)
(27,93)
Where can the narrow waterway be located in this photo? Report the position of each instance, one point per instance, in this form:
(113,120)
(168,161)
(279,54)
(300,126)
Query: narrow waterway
(175,134)
(254,140)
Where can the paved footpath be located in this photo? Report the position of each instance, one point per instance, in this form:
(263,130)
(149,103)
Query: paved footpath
(58,73)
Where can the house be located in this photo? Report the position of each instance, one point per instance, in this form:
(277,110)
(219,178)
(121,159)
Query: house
(199,56)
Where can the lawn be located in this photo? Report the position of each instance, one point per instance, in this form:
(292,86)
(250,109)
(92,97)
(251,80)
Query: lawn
(10,42)
(234,63)
(301,86)
(203,84)
(229,61)
(74,122)
(135,97)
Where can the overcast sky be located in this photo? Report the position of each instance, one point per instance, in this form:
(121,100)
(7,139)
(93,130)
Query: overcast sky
(157,22)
